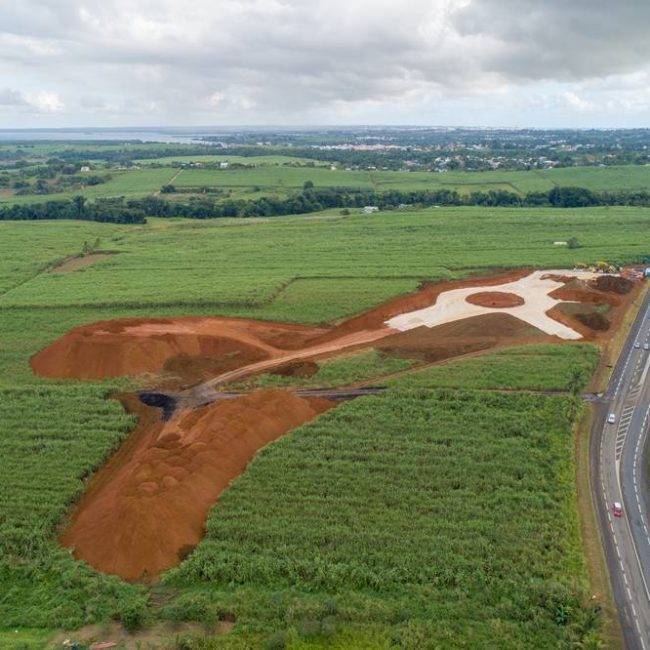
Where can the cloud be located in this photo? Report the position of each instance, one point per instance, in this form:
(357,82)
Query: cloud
(264,61)
(41,102)
(10,97)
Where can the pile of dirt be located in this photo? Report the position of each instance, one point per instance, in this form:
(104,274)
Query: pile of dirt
(145,510)
(191,347)
(495,299)
(613,283)
(580,291)
(461,337)
(296,369)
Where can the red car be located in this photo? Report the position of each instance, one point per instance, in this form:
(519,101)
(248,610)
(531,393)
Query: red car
(617,509)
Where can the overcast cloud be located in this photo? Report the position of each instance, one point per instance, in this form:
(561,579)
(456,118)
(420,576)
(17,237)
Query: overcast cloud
(211,62)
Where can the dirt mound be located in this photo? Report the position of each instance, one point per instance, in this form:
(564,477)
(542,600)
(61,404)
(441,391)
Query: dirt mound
(613,283)
(146,508)
(187,346)
(296,369)
(495,299)
(461,337)
(581,291)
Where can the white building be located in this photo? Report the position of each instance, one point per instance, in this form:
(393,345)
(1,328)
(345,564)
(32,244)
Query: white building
(224,164)
(369,209)
(84,168)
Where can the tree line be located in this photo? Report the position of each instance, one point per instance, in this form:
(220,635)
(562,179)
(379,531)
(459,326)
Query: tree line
(310,199)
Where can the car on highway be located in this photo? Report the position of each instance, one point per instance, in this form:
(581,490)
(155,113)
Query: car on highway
(646,346)
(611,418)
(617,509)
(637,345)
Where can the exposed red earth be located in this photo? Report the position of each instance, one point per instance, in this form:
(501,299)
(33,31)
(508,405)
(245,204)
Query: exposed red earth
(146,508)
(495,299)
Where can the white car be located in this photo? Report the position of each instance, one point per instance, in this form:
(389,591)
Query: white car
(646,346)
(637,345)
(611,418)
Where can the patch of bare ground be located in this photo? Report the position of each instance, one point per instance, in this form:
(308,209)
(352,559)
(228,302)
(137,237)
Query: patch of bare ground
(146,508)
(80,262)
(192,347)
(162,636)
(462,337)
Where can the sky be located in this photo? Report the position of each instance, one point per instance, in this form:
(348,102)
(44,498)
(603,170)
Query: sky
(512,63)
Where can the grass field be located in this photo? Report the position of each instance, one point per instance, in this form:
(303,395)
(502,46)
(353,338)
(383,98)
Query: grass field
(129,184)
(366,525)
(269,176)
(305,269)
(27,248)
(243,160)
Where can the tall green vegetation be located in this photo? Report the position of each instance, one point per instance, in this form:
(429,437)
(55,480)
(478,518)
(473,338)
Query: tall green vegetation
(442,518)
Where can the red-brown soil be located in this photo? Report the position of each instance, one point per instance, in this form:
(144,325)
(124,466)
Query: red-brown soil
(462,337)
(134,346)
(585,292)
(495,299)
(296,369)
(146,508)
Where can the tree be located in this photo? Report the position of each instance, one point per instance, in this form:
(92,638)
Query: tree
(79,203)
(308,185)
(573,243)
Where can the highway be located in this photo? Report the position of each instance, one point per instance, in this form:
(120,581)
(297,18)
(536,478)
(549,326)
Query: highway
(619,472)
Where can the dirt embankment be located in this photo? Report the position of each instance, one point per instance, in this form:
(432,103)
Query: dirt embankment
(146,508)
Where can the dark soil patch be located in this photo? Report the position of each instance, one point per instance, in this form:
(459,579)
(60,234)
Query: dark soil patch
(296,369)
(613,284)
(595,321)
(461,337)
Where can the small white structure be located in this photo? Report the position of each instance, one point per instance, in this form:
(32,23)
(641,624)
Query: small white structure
(369,209)
(224,164)
(84,168)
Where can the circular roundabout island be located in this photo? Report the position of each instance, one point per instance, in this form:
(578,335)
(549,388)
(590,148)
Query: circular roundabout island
(495,299)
